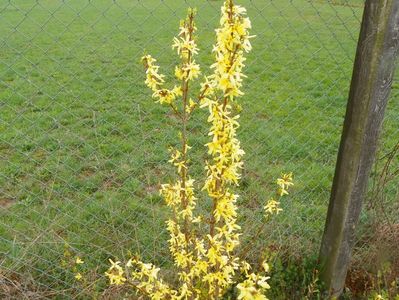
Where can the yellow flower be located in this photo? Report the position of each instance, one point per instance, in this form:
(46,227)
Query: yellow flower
(153,80)
(115,273)
(177,91)
(115,279)
(262,282)
(176,154)
(164,96)
(191,70)
(197,219)
(179,73)
(78,260)
(246,291)
(265,266)
(207,87)
(285,181)
(129,263)
(272,206)
(191,105)
(184,46)
(180,165)
(78,276)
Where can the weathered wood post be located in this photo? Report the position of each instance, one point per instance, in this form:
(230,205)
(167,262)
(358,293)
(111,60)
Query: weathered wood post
(370,87)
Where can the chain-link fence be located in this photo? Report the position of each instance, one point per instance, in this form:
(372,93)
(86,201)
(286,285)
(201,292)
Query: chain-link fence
(84,148)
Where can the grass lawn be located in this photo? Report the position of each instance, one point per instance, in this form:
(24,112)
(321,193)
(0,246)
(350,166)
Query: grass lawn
(83,146)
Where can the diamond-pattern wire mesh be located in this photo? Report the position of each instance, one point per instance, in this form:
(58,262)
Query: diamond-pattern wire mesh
(83,146)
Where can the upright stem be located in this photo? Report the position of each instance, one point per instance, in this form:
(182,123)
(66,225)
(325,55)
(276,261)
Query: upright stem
(219,183)
(183,173)
(184,132)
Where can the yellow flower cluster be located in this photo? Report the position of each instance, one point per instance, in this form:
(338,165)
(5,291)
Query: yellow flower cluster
(255,285)
(155,82)
(232,42)
(284,183)
(73,262)
(115,273)
(272,206)
(223,171)
(187,249)
(78,261)
(207,263)
(145,278)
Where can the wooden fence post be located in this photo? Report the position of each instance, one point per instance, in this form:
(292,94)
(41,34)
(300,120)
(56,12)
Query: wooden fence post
(369,91)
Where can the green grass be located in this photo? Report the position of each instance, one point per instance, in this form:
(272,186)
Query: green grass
(83,146)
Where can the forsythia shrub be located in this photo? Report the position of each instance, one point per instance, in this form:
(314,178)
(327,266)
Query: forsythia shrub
(207,264)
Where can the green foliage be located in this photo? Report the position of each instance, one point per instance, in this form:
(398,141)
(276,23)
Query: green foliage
(295,278)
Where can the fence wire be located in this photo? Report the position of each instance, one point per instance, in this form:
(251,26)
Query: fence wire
(83,146)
